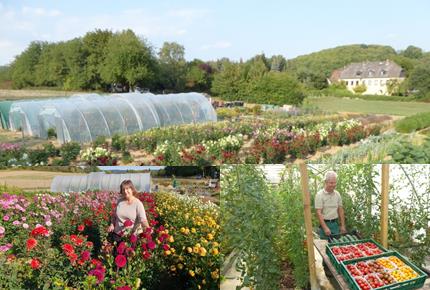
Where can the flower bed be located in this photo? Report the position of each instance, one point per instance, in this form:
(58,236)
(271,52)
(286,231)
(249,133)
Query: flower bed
(61,241)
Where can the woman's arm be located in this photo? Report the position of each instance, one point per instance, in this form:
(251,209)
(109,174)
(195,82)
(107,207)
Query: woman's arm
(141,216)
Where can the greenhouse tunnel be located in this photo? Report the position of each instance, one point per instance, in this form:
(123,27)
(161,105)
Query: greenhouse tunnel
(100,181)
(82,118)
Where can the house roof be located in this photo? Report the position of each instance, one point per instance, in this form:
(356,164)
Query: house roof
(365,70)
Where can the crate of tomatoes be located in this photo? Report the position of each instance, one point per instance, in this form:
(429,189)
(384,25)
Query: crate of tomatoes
(345,251)
(385,271)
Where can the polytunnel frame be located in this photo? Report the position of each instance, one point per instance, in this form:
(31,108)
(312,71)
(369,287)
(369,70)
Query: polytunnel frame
(95,181)
(145,111)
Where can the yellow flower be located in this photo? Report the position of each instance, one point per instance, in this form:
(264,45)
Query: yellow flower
(210,237)
(215,275)
(215,251)
(172,268)
(196,250)
(204,282)
(189,250)
(182,230)
(171,239)
(215,244)
(203,252)
(168,252)
(193,230)
(191,272)
(180,266)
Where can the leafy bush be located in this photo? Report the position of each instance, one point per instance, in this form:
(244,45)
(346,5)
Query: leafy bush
(38,157)
(52,134)
(406,152)
(100,142)
(413,123)
(119,143)
(69,152)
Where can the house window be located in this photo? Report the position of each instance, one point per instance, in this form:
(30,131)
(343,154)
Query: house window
(375,82)
(369,82)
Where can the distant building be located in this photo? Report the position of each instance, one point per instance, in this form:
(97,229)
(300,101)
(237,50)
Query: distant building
(375,76)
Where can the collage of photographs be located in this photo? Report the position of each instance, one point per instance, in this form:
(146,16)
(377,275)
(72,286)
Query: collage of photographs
(189,145)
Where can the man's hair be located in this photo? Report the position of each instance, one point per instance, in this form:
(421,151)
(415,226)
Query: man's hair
(330,174)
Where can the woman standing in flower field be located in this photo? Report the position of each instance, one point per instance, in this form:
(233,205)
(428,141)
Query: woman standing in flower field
(129,213)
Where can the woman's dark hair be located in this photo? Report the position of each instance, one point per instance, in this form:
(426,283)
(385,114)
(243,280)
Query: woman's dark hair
(127,183)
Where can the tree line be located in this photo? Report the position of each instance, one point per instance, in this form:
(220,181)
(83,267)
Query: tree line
(102,58)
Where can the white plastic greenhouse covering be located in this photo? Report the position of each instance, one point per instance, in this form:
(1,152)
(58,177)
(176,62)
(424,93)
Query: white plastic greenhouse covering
(100,181)
(83,118)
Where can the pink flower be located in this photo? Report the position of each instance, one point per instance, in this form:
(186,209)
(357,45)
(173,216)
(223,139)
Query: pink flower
(2,230)
(5,248)
(85,255)
(133,238)
(98,273)
(166,247)
(16,223)
(120,261)
(121,248)
(151,245)
(6,218)
(48,223)
(25,226)
(81,228)
(124,288)
(128,223)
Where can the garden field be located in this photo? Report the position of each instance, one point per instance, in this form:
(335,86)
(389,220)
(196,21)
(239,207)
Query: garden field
(58,241)
(32,94)
(333,104)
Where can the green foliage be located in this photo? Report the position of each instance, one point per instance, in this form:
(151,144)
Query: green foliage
(292,226)
(24,66)
(412,52)
(69,152)
(172,66)
(360,89)
(413,123)
(129,60)
(419,79)
(51,133)
(275,88)
(119,143)
(405,152)
(249,223)
(100,142)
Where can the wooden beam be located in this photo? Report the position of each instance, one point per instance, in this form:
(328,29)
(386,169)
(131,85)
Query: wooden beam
(384,204)
(308,224)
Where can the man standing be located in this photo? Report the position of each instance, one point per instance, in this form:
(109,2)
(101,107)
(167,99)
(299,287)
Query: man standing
(328,204)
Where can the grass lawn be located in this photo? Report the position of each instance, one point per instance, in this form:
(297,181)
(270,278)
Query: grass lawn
(333,104)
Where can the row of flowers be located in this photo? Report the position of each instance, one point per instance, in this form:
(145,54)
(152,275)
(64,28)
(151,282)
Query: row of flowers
(275,146)
(61,241)
(224,150)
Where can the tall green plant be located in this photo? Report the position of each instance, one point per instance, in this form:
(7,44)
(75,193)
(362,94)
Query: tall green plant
(249,224)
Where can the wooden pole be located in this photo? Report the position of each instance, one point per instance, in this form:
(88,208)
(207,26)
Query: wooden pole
(308,224)
(384,204)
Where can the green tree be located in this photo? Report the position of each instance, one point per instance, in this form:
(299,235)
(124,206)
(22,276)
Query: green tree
(24,65)
(199,76)
(419,79)
(172,66)
(229,81)
(51,70)
(360,89)
(94,44)
(413,52)
(75,57)
(277,63)
(277,88)
(129,61)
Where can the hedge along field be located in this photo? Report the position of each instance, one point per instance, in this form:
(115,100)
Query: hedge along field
(265,222)
(59,241)
(333,104)
(413,123)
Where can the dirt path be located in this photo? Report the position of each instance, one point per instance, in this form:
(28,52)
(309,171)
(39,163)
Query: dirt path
(29,179)
(33,94)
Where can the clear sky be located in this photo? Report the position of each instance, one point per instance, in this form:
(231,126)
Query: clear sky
(219,28)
